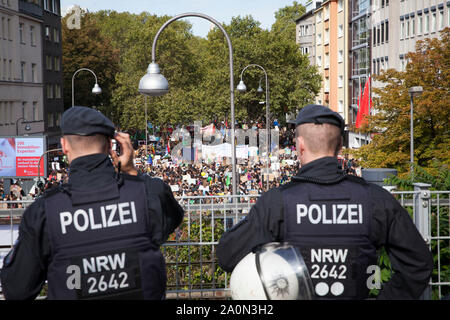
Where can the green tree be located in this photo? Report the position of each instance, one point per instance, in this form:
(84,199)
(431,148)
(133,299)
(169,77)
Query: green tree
(285,20)
(428,67)
(81,49)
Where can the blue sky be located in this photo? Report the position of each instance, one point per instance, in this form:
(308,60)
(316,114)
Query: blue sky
(221,10)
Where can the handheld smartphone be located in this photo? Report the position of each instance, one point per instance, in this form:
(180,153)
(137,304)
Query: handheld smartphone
(116,146)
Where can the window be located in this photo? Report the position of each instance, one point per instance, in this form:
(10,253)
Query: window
(47,33)
(433,22)
(35,111)
(21,37)
(4,28)
(57,64)
(327,37)
(441,20)
(448,16)
(319,61)
(55,7)
(4,73)
(33,73)
(319,16)
(341,106)
(340,56)
(10,75)
(374,36)
(402,34)
(50,123)
(402,64)
(22,71)
(341,31)
(9,30)
(24,110)
(420,25)
(340,81)
(11,112)
(408,25)
(57,91)
(319,39)
(58,119)
(49,91)
(387,31)
(327,60)
(340,5)
(56,35)
(378,36)
(382,33)
(48,62)
(32,36)
(427,23)
(327,13)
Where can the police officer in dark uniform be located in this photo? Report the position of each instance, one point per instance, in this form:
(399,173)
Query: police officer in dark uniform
(98,236)
(337,221)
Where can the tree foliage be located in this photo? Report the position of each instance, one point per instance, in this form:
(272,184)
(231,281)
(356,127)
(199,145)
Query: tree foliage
(428,67)
(88,48)
(197,69)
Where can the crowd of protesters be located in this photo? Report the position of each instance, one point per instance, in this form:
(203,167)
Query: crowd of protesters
(200,178)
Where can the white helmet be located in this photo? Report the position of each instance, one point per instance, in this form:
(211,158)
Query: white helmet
(275,272)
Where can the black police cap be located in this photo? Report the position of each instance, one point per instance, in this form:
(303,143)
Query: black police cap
(82,121)
(318,114)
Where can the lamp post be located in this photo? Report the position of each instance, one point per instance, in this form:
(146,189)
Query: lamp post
(153,83)
(27,127)
(95,90)
(242,88)
(413,92)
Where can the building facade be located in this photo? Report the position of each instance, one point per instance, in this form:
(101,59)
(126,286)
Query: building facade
(30,68)
(321,33)
(52,70)
(21,78)
(403,23)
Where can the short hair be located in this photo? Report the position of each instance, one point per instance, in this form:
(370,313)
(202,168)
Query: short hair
(322,138)
(98,142)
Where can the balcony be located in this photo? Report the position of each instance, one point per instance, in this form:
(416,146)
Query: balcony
(30,9)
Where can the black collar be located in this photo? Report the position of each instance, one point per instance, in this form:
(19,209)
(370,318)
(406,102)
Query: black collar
(94,169)
(325,170)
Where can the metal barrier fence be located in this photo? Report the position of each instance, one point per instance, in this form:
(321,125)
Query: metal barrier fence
(192,268)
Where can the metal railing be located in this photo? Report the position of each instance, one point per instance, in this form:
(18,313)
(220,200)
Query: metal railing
(192,268)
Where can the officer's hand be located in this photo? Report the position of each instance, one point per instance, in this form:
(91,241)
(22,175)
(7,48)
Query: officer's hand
(126,156)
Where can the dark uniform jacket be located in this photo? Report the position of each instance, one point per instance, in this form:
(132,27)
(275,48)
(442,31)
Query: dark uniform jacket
(26,268)
(360,217)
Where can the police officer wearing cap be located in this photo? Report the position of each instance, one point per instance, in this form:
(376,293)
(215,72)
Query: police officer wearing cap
(337,221)
(98,236)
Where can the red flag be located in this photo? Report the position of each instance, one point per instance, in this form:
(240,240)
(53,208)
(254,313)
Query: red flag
(168,147)
(358,115)
(364,106)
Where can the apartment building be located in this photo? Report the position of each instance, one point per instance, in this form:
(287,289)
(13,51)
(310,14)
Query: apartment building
(30,68)
(322,33)
(306,30)
(21,78)
(403,23)
(52,70)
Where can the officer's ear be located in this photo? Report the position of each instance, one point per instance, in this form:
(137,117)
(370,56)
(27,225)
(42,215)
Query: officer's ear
(64,143)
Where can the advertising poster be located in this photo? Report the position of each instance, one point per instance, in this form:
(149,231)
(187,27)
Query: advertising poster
(19,156)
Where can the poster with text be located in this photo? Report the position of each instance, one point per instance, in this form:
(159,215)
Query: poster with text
(19,157)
